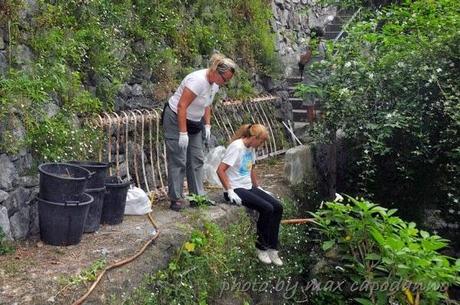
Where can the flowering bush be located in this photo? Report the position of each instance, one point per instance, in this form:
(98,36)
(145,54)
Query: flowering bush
(393,88)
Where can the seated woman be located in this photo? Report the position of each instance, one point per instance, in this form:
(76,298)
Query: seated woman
(236,172)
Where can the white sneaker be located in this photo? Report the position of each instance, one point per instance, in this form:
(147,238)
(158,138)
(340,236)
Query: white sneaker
(273,254)
(263,256)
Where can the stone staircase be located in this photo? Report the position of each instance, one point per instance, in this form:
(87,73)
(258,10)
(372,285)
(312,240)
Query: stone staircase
(303,116)
(334,28)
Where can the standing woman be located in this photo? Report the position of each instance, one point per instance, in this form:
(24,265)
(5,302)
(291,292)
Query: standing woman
(183,118)
(236,172)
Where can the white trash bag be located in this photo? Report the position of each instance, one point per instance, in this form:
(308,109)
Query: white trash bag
(211,162)
(137,202)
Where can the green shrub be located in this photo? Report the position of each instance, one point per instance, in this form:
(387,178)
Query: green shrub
(393,88)
(379,248)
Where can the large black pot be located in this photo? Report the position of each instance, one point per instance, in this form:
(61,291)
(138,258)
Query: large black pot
(113,209)
(62,182)
(61,224)
(93,220)
(98,168)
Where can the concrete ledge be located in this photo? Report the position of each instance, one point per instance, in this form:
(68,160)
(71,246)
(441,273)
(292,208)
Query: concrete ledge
(37,273)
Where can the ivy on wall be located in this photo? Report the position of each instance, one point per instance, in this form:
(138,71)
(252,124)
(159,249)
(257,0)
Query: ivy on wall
(84,50)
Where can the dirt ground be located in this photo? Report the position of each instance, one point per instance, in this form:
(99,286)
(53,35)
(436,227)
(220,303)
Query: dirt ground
(41,274)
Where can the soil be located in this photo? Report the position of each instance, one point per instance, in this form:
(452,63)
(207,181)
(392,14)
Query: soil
(37,273)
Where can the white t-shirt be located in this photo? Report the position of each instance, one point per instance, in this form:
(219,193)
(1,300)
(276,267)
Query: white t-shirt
(204,91)
(240,159)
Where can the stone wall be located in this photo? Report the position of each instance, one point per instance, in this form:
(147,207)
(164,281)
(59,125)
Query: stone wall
(292,24)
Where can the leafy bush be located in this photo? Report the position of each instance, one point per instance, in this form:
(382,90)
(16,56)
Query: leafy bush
(398,261)
(84,50)
(393,88)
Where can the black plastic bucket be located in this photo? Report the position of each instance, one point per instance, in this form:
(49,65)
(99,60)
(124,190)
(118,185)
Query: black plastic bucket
(61,224)
(98,168)
(62,182)
(93,220)
(114,200)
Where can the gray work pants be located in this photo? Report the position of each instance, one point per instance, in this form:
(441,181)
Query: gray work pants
(182,162)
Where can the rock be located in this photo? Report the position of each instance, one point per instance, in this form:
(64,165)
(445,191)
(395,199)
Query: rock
(8,173)
(34,228)
(299,164)
(20,223)
(125,91)
(3,196)
(50,109)
(23,55)
(24,163)
(434,220)
(137,90)
(140,102)
(3,64)
(5,222)
(28,181)
(280,4)
(29,9)
(17,199)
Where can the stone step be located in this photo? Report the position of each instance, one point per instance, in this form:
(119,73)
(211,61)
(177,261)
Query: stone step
(334,27)
(293,79)
(299,115)
(297,103)
(333,35)
(300,129)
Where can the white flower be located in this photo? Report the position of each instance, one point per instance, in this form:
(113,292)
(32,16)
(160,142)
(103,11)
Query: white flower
(347,64)
(438,70)
(338,198)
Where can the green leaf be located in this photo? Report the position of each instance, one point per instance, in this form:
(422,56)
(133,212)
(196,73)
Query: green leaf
(363,301)
(378,237)
(394,243)
(424,234)
(373,256)
(328,244)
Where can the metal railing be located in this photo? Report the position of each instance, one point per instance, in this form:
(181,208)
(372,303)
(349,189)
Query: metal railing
(134,138)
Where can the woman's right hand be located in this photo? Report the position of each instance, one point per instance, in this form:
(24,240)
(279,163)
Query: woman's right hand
(234,197)
(183,140)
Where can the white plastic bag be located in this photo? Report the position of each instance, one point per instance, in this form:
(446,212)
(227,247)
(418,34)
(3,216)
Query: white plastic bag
(211,162)
(137,202)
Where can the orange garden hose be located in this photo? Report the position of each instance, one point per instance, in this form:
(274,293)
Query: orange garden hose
(298,221)
(120,263)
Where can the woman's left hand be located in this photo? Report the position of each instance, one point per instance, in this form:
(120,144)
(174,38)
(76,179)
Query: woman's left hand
(269,193)
(207,129)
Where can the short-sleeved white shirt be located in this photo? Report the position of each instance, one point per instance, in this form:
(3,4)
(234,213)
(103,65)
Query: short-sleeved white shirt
(240,159)
(198,83)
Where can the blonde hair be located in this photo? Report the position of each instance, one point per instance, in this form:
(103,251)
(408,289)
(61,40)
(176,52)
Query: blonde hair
(220,63)
(249,130)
